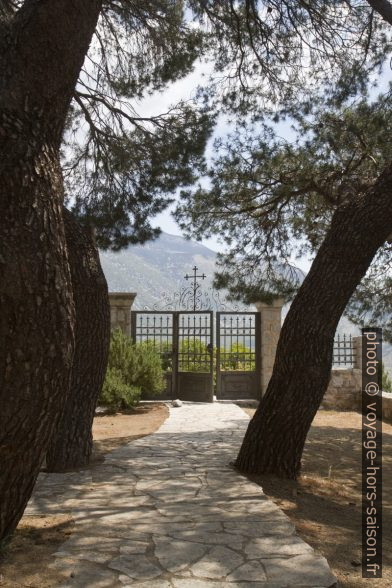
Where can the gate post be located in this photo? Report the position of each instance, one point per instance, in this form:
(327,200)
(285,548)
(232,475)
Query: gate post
(271,321)
(120,310)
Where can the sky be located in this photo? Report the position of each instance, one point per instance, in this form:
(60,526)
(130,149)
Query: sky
(158,103)
(184,89)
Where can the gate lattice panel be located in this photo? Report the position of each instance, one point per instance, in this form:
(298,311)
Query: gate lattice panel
(185,342)
(238,362)
(195,356)
(158,328)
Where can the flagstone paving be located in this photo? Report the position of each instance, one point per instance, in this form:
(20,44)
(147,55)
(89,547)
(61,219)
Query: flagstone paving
(167,511)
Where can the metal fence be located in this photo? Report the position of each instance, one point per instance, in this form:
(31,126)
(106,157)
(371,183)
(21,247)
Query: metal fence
(343,351)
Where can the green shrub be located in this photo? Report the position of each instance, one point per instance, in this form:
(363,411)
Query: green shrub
(145,368)
(116,393)
(133,369)
(241,358)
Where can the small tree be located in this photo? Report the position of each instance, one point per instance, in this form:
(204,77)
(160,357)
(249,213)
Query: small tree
(330,191)
(116,393)
(133,369)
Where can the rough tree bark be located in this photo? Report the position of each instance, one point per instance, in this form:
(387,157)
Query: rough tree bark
(276,435)
(42,49)
(71,443)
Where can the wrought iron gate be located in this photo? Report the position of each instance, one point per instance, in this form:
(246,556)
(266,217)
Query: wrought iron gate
(238,361)
(158,329)
(195,356)
(184,340)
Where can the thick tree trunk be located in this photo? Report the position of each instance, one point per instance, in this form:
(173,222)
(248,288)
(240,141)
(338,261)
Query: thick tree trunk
(36,326)
(71,443)
(40,58)
(276,435)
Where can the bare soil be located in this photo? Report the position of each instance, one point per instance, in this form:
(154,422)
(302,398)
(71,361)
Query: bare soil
(325,503)
(111,431)
(24,562)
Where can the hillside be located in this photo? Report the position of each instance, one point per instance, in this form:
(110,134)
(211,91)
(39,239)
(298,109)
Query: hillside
(156,268)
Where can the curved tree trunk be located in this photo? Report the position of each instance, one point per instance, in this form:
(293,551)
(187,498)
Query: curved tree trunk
(276,435)
(40,59)
(71,443)
(36,330)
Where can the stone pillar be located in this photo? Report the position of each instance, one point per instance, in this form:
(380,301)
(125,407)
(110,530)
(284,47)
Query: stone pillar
(271,321)
(120,310)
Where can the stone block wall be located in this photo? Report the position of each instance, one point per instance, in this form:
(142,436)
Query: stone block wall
(344,390)
(387,407)
(345,387)
(345,393)
(271,321)
(120,310)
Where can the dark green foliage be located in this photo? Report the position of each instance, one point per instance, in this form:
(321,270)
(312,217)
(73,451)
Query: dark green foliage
(138,175)
(265,59)
(116,393)
(145,368)
(133,369)
(271,200)
(271,55)
(121,165)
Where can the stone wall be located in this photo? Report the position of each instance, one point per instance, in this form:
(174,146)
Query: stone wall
(344,390)
(344,393)
(120,310)
(271,321)
(387,407)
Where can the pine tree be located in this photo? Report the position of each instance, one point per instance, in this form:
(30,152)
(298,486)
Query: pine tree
(329,192)
(67,61)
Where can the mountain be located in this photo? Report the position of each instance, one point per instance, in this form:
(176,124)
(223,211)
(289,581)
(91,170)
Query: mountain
(157,268)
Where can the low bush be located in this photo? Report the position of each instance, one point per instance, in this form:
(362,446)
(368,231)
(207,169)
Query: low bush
(145,368)
(116,393)
(133,369)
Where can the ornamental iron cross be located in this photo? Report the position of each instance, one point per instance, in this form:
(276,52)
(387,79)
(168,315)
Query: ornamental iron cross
(195,284)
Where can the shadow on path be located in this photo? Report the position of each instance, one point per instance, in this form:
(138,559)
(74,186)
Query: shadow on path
(167,511)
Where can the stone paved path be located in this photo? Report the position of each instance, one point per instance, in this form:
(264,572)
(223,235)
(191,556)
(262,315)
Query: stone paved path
(166,511)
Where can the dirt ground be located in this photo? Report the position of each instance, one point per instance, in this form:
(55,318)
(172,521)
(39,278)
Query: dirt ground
(24,562)
(111,431)
(325,504)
